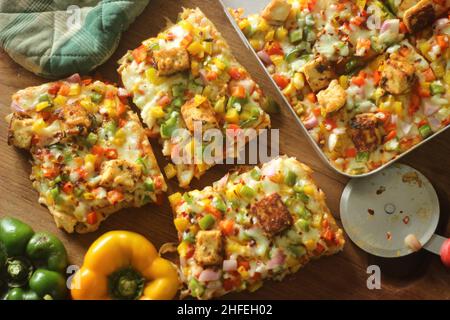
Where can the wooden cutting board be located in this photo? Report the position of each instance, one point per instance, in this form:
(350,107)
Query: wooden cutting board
(343,276)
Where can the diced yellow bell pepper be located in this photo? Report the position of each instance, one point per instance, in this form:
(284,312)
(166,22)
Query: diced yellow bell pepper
(424,47)
(75,89)
(219,64)
(181,224)
(243,272)
(170,171)
(152,76)
(232,116)
(219,106)
(38,125)
(88,105)
(281,33)
(88,196)
(119,137)
(361,4)
(316,221)
(157,112)
(195,68)
(299,80)
(310,244)
(186,25)
(183,248)
(195,48)
(243,24)
(269,36)
(60,100)
(343,81)
(263,26)
(309,189)
(398,108)
(277,59)
(89,162)
(256,44)
(289,90)
(202,167)
(42,105)
(175,198)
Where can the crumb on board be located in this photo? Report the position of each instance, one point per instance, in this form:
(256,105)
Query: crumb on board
(380,190)
(412,177)
(371,211)
(388,235)
(405,220)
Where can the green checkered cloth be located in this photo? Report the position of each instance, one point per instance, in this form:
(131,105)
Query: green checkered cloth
(57,38)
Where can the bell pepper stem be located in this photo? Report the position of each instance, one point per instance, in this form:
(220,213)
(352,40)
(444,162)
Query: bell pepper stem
(126,284)
(19,270)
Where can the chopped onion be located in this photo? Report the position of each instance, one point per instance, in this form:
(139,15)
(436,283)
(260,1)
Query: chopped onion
(208,275)
(277,260)
(15,107)
(248,84)
(390,25)
(75,78)
(430,109)
(310,122)
(406,127)
(435,124)
(264,56)
(229,265)
(123,93)
(332,141)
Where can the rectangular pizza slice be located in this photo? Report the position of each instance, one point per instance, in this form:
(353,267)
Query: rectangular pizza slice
(363,120)
(188,75)
(90,154)
(318,40)
(248,227)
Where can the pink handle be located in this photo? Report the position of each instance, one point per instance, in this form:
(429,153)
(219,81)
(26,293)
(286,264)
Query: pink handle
(445,253)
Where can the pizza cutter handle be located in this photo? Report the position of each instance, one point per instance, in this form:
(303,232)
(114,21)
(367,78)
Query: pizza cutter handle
(441,246)
(444,252)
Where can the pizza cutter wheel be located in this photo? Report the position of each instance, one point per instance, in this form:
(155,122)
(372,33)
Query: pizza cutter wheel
(393,213)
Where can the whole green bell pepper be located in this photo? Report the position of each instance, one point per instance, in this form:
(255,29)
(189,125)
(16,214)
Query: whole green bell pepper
(32,265)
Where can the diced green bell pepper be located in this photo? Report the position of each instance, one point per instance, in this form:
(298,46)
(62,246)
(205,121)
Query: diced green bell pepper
(96,97)
(290,178)
(247,192)
(425,131)
(206,222)
(296,35)
(362,156)
(436,88)
(149,185)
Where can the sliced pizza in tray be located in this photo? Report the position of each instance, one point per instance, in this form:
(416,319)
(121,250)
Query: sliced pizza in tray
(363,120)
(248,227)
(188,75)
(90,154)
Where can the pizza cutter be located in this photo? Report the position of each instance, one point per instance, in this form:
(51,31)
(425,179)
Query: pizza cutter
(393,213)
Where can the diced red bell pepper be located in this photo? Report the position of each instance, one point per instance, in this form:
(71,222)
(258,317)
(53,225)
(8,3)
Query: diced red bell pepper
(281,80)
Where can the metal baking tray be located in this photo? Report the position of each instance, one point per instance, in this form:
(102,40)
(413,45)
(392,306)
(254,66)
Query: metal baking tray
(251,7)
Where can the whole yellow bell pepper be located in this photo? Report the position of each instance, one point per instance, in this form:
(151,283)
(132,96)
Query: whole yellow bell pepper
(124,265)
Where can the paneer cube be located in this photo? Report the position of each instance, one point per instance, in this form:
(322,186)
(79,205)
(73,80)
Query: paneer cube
(76,118)
(277,11)
(332,98)
(272,214)
(170,61)
(199,109)
(20,132)
(397,74)
(318,73)
(364,132)
(119,174)
(208,247)
(420,16)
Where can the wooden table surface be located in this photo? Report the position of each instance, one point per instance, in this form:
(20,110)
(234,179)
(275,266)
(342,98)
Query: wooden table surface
(343,276)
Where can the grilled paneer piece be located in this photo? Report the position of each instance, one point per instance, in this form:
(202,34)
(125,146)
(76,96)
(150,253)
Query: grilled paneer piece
(208,247)
(20,131)
(170,61)
(272,214)
(119,174)
(332,98)
(364,131)
(420,16)
(76,119)
(276,11)
(199,109)
(397,74)
(318,73)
